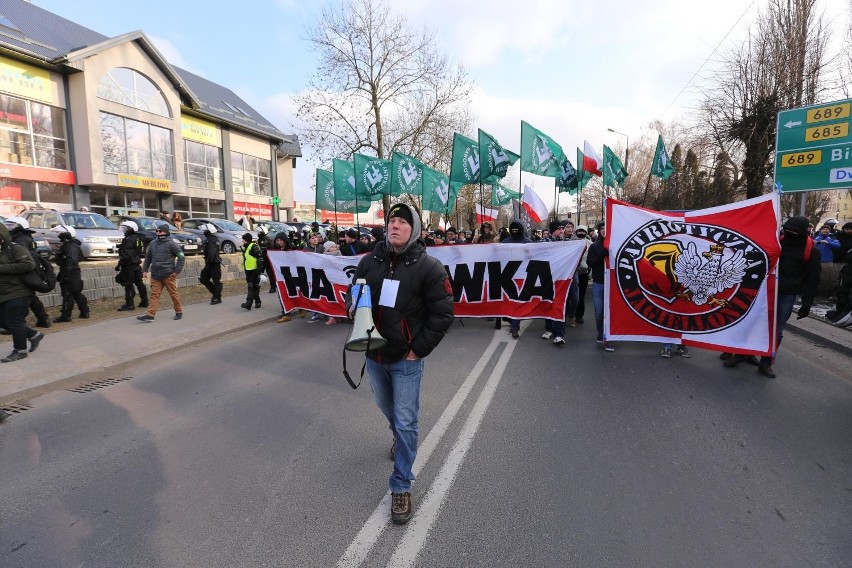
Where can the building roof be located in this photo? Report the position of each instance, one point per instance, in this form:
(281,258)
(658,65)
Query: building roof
(51,40)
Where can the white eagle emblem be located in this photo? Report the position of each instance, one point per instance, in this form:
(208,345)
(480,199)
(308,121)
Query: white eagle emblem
(706,274)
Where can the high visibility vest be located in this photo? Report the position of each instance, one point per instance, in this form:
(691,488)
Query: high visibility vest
(249,261)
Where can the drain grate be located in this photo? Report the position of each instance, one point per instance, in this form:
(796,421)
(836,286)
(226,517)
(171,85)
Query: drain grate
(89,387)
(15,408)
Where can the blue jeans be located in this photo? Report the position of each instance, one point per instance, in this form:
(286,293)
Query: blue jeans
(783,311)
(598,297)
(396,388)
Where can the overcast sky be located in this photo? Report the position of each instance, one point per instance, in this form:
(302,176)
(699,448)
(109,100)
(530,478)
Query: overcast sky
(570,68)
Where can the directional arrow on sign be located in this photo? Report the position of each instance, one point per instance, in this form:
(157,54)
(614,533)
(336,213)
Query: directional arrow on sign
(791,124)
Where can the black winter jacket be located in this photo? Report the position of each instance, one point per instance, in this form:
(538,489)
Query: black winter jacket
(130,250)
(424,304)
(69,257)
(795,276)
(595,260)
(211,250)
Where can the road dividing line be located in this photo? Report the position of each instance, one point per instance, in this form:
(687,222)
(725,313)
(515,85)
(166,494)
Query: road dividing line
(369,534)
(426,514)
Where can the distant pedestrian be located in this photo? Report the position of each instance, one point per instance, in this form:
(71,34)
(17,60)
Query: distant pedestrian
(597,265)
(265,243)
(130,253)
(177,221)
(164,258)
(826,244)
(70,279)
(15,297)
(211,274)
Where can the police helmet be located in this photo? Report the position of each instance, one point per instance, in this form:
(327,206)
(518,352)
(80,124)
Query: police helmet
(208,227)
(130,225)
(20,221)
(61,229)
(263,230)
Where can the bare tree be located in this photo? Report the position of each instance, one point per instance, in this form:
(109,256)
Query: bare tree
(779,65)
(380,86)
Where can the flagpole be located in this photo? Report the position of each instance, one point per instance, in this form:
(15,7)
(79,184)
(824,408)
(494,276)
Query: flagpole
(647,183)
(555,202)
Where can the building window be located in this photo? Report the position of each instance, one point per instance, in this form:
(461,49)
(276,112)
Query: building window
(250,174)
(203,165)
(131,88)
(32,133)
(136,148)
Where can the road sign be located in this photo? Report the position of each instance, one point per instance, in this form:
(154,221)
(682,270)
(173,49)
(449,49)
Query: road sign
(813,148)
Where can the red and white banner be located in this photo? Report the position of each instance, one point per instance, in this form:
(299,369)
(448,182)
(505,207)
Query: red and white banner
(592,162)
(534,206)
(704,278)
(505,280)
(484,214)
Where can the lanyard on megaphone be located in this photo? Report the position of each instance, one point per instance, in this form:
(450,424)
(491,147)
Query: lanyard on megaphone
(364,366)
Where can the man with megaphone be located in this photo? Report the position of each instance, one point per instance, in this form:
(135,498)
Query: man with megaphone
(412,308)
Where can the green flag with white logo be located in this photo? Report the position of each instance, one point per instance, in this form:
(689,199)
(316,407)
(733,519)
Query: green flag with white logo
(567,181)
(494,159)
(464,166)
(436,190)
(614,173)
(344,188)
(540,154)
(325,190)
(406,175)
(662,166)
(372,177)
(501,195)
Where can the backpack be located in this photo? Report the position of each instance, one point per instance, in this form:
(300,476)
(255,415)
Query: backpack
(43,277)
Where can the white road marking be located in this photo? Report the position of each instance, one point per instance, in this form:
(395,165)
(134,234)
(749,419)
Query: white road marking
(369,534)
(426,514)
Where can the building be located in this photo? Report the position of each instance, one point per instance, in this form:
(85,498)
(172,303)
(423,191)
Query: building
(109,124)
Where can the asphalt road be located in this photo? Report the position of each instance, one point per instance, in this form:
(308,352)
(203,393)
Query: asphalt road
(251,450)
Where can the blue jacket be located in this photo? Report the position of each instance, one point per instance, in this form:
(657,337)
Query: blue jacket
(826,245)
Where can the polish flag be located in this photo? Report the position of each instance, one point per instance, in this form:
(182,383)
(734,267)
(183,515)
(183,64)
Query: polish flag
(535,207)
(592,162)
(486,215)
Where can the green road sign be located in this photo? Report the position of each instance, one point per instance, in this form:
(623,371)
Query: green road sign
(813,148)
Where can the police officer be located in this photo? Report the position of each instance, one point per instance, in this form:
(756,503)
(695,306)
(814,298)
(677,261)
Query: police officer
(253,265)
(265,243)
(211,274)
(129,267)
(70,280)
(19,229)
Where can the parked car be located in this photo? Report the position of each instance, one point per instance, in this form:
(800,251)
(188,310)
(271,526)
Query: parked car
(98,236)
(42,246)
(190,243)
(230,234)
(275,227)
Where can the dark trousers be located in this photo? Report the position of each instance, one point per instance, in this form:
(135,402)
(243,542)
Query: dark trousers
(38,310)
(253,284)
(211,278)
(71,285)
(132,279)
(13,316)
(583,283)
(270,273)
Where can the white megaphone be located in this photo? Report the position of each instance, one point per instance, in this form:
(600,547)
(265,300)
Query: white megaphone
(364,336)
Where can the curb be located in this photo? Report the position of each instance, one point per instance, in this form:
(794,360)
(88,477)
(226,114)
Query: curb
(817,338)
(80,378)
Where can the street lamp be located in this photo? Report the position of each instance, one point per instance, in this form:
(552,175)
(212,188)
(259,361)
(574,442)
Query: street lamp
(626,148)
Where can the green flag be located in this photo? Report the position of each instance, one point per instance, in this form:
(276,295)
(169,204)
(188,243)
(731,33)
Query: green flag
(568,181)
(372,177)
(539,153)
(436,190)
(325,190)
(344,188)
(455,187)
(662,166)
(494,159)
(583,177)
(406,175)
(614,173)
(501,195)
(465,163)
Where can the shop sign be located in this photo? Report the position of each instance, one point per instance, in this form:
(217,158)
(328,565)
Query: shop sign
(138,182)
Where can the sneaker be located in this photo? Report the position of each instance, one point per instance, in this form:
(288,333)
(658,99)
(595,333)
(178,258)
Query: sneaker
(514,333)
(735,360)
(284,318)
(766,371)
(35,340)
(314,318)
(16,355)
(146,318)
(546,335)
(572,322)
(178,316)
(558,341)
(666,353)
(401,508)
(599,340)
(608,346)
(683,351)
(126,308)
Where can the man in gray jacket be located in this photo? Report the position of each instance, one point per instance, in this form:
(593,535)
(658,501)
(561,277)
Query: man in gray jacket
(164,258)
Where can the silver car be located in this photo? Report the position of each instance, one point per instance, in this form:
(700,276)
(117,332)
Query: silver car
(230,234)
(98,236)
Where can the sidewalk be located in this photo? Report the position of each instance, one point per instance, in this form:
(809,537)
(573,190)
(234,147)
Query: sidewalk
(102,347)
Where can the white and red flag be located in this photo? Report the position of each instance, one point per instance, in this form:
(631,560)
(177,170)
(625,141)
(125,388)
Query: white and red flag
(705,278)
(534,206)
(592,162)
(484,214)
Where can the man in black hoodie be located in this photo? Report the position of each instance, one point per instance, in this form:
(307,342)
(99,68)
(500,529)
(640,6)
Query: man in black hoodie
(412,304)
(70,279)
(517,235)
